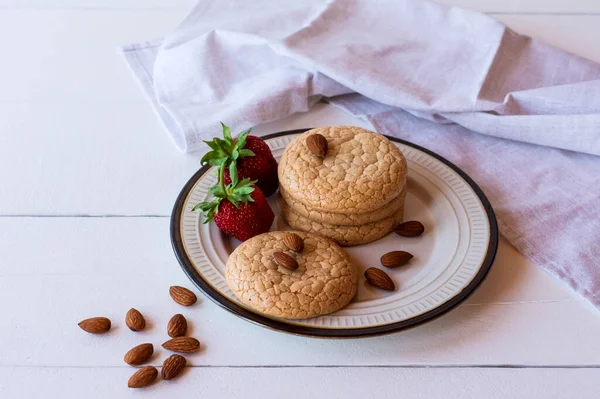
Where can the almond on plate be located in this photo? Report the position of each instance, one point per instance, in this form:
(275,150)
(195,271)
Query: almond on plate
(396,258)
(410,229)
(380,279)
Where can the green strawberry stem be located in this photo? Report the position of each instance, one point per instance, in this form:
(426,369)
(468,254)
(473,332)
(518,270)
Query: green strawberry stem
(222,177)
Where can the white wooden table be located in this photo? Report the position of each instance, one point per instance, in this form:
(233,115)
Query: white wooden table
(87,181)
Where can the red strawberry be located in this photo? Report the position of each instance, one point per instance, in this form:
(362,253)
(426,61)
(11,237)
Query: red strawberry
(240,209)
(248,220)
(250,154)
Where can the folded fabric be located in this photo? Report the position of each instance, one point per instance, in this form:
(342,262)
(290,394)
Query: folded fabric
(421,71)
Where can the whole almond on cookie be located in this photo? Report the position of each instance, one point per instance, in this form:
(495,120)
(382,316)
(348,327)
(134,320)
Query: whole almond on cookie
(410,229)
(380,279)
(172,366)
(135,320)
(143,377)
(317,144)
(182,295)
(285,260)
(177,326)
(182,345)
(396,258)
(139,354)
(95,325)
(293,242)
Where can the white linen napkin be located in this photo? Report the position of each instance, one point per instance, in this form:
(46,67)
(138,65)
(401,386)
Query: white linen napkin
(421,71)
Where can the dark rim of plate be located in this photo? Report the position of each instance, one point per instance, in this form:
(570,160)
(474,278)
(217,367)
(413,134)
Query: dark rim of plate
(282,325)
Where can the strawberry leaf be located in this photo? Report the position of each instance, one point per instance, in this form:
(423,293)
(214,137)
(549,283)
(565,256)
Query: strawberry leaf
(246,153)
(226,150)
(210,208)
(241,138)
(233,174)
(245,190)
(226,131)
(217,191)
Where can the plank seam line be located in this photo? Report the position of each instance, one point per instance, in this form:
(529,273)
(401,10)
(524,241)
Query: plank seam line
(413,366)
(187,7)
(83,215)
(522,302)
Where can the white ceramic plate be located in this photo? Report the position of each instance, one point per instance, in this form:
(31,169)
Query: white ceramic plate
(451,258)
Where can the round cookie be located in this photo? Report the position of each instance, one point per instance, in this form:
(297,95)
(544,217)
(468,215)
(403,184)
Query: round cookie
(324,282)
(344,219)
(343,235)
(362,171)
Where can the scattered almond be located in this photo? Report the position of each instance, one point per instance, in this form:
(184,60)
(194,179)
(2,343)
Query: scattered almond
(135,320)
(396,258)
(182,295)
(317,144)
(95,325)
(410,229)
(380,279)
(285,260)
(182,345)
(143,377)
(177,326)
(139,354)
(293,242)
(172,366)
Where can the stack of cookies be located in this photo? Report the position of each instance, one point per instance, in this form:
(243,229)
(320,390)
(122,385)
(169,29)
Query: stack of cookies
(342,182)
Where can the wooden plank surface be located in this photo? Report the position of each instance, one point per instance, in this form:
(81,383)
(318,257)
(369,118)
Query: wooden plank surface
(93,144)
(334,383)
(58,271)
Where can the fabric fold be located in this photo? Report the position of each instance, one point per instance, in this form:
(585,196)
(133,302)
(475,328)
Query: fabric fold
(520,116)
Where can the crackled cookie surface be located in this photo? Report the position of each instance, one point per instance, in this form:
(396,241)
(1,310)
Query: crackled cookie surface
(361,172)
(324,282)
(344,219)
(343,235)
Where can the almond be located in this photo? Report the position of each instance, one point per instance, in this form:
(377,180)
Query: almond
(293,242)
(380,279)
(182,345)
(172,366)
(395,258)
(317,144)
(95,325)
(285,260)
(177,326)
(135,320)
(143,377)
(139,354)
(182,295)
(410,229)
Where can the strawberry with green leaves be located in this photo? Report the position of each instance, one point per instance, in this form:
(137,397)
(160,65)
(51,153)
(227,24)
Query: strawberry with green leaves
(240,209)
(250,154)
